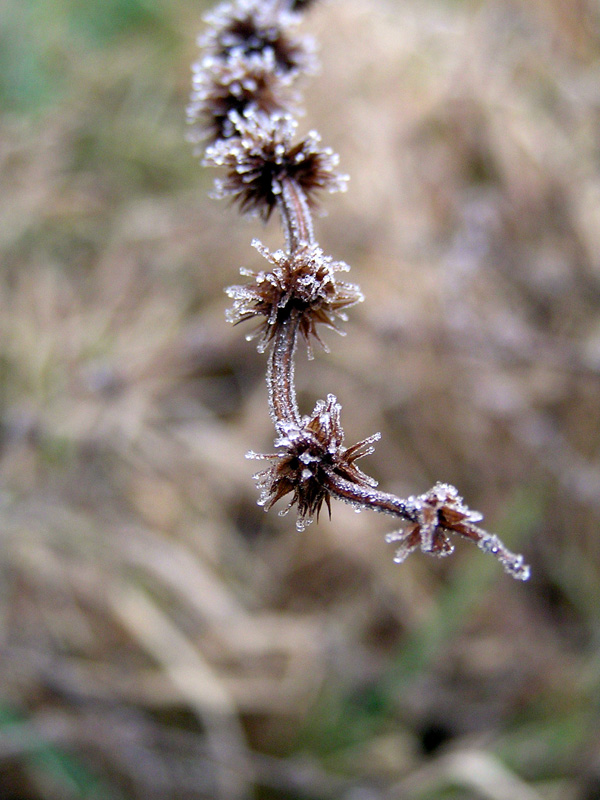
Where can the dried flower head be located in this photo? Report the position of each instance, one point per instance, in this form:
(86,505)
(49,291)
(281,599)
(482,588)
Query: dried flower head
(304,283)
(312,450)
(261,157)
(256,28)
(441,511)
(236,86)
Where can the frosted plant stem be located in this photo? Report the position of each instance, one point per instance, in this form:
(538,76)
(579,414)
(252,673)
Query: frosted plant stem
(368,497)
(295,216)
(297,224)
(239,98)
(280,372)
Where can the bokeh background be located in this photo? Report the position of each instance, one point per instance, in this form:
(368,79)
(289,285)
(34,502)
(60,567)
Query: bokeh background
(160,635)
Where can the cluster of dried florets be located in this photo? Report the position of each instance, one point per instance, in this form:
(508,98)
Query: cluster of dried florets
(313,456)
(260,156)
(250,62)
(248,28)
(301,283)
(241,106)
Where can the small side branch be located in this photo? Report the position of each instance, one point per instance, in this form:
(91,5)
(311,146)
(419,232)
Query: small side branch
(433,517)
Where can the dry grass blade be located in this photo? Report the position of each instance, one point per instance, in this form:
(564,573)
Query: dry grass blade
(200,687)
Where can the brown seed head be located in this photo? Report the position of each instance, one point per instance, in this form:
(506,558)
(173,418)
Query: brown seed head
(255,28)
(304,283)
(312,450)
(240,84)
(261,156)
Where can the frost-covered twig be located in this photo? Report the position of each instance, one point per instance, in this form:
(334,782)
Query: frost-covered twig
(242,107)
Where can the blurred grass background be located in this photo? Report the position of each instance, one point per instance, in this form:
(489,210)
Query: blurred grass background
(160,636)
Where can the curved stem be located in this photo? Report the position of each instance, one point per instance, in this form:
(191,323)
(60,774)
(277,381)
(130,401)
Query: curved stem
(280,372)
(295,215)
(297,225)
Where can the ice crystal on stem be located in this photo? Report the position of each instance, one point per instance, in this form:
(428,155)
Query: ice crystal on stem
(241,102)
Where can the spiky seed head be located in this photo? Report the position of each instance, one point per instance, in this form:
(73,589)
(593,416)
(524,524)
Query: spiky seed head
(304,283)
(261,156)
(311,450)
(225,90)
(255,28)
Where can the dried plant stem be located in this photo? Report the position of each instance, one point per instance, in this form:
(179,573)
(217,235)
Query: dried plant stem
(449,517)
(295,216)
(239,95)
(297,225)
(280,372)
(370,497)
